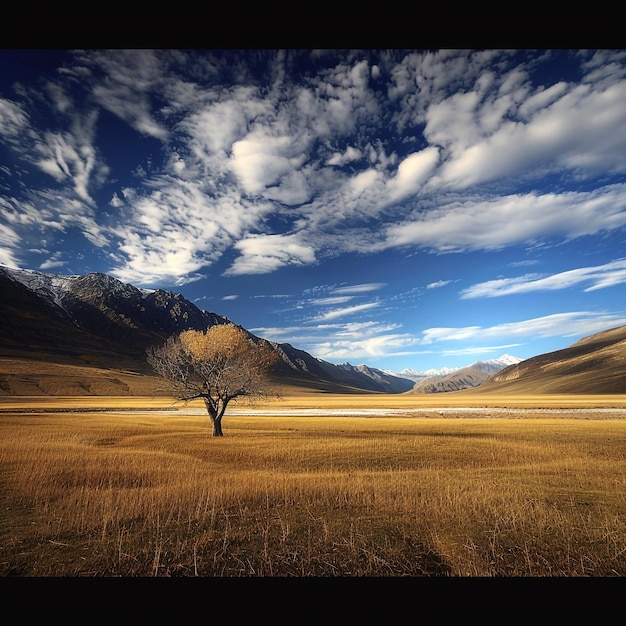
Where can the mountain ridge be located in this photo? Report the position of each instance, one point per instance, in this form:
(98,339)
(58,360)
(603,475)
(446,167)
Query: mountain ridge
(101,327)
(461,378)
(97,318)
(420,375)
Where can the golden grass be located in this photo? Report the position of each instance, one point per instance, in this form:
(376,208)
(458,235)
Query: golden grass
(37,377)
(153,494)
(296,398)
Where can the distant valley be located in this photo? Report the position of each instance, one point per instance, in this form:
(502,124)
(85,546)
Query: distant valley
(88,335)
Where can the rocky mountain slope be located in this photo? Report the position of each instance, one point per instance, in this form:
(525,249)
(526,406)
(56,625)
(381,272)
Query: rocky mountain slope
(99,321)
(96,313)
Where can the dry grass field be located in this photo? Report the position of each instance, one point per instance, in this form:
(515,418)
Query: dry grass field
(35,377)
(314,485)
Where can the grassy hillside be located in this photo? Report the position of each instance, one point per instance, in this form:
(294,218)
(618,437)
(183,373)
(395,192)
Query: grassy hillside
(595,364)
(34,377)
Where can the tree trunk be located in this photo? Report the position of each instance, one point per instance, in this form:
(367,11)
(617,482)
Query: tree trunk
(217,426)
(216,412)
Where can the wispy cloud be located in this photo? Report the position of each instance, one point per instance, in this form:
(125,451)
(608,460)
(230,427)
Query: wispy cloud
(596,277)
(480,350)
(357,289)
(279,333)
(558,325)
(384,345)
(265,253)
(367,340)
(286,168)
(349,310)
(8,251)
(330,300)
(132,77)
(498,222)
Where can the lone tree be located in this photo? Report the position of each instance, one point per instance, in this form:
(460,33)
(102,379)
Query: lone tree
(218,366)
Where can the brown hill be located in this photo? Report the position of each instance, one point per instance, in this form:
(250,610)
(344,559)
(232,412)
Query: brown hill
(35,377)
(593,365)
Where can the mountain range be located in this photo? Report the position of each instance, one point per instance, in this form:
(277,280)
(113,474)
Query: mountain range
(96,320)
(460,378)
(92,331)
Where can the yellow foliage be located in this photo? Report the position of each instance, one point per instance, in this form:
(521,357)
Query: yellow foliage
(222,340)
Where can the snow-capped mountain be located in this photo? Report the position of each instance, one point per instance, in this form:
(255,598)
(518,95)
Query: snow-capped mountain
(119,317)
(416,375)
(51,287)
(472,375)
(495,365)
(490,366)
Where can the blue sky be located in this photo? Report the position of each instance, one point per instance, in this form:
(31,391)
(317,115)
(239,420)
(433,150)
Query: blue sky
(399,208)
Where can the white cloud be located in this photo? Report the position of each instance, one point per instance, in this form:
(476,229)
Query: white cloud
(350,154)
(599,277)
(67,156)
(13,120)
(363,182)
(260,160)
(385,345)
(265,253)
(557,325)
(413,171)
(437,284)
(508,220)
(132,75)
(356,289)
(8,248)
(51,264)
(324,159)
(349,310)
(479,350)
(542,99)
(369,339)
(177,229)
(213,127)
(294,189)
(152,258)
(331,300)
(582,128)
(116,202)
(359,330)
(277,334)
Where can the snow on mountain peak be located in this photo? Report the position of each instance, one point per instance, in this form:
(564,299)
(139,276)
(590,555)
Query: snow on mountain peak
(50,286)
(491,365)
(509,359)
